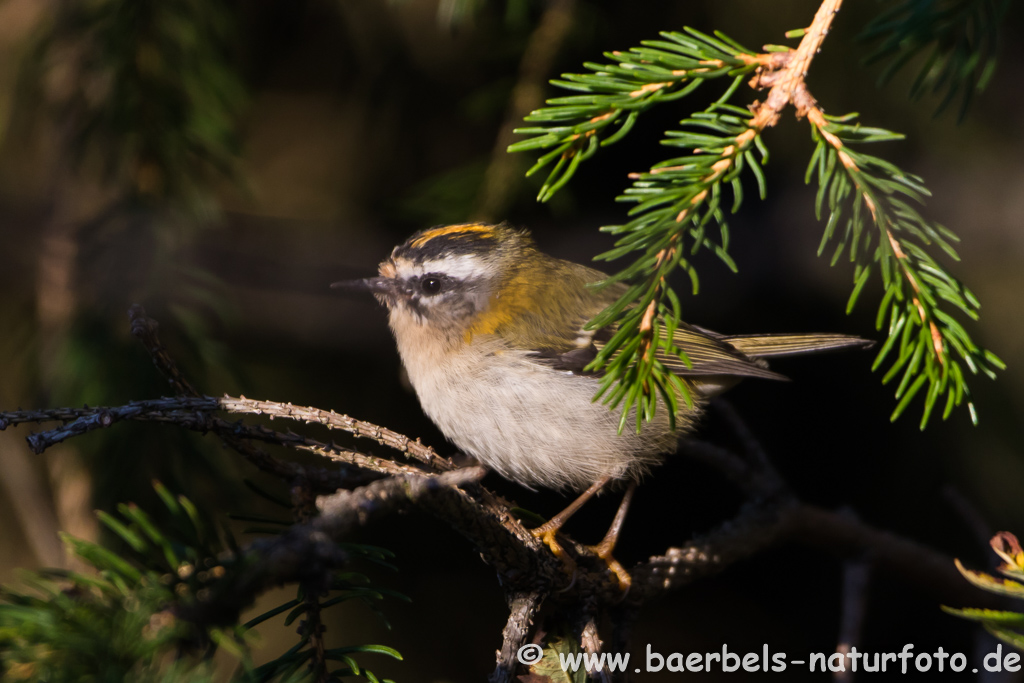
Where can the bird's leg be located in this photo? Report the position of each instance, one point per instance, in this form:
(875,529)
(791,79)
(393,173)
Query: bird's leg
(607,545)
(547,531)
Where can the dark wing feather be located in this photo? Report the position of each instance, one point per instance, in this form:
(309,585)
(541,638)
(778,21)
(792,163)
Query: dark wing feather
(710,355)
(571,349)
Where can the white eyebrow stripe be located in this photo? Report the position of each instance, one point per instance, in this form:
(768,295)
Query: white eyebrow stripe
(464,267)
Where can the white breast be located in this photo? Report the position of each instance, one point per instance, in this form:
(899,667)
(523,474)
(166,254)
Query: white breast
(530,423)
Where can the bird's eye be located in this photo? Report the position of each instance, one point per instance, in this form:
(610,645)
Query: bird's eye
(430,285)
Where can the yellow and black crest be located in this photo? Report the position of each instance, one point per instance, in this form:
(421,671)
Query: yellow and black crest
(462,238)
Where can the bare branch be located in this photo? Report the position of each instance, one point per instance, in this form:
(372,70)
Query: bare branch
(790,79)
(193,413)
(753,530)
(757,528)
(523,609)
(590,639)
(332,420)
(524,565)
(145,330)
(340,512)
(505,544)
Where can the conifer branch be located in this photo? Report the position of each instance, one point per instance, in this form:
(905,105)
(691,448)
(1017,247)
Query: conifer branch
(616,94)
(915,283)
(788,81)
(314,548)
(679,198)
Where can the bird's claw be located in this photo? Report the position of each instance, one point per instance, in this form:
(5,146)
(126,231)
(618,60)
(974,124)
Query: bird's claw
(548,537)
(602,550)
(614,566)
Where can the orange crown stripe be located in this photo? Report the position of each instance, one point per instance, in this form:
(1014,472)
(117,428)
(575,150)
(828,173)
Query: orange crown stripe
(482,228)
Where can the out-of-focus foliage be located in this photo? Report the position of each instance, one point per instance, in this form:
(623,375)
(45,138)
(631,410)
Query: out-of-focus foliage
(129,619)
(1006,625)
(960,38)
(145,101)
(147,91)
(456,13)
(310,656)
(120,622)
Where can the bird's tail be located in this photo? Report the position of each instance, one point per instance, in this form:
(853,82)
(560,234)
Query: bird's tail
(774,345)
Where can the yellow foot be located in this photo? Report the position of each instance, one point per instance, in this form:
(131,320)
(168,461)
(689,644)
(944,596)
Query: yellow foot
(621,575)
(547,535)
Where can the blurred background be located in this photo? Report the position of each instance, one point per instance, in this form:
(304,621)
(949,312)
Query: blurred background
(222,162)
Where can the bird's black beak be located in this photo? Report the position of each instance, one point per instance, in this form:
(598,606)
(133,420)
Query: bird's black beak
(374,285)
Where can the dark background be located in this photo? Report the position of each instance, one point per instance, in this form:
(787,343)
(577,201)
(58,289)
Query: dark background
(366,121)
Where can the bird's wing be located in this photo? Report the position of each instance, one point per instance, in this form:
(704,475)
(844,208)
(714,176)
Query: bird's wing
(710,354)
(571,348)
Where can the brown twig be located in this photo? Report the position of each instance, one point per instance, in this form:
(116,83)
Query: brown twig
(789,80)
(83,420)
(332,420)
(591,642)
(523,608)
(523,564)
(145,329)
(523,561)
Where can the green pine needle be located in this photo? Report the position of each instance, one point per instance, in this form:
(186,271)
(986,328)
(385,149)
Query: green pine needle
(857,188)
(677,202)
(574,128)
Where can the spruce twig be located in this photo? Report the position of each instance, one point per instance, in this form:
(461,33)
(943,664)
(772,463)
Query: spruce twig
(679,200)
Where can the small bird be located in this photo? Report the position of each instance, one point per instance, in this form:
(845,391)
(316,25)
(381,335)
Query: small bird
(493,335)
